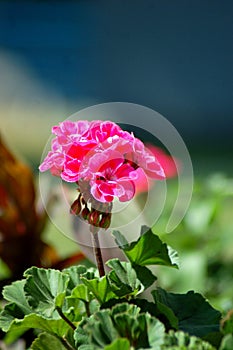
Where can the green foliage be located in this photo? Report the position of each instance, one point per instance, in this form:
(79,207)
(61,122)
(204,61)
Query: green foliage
(77,309)
(55,326)
(75,274)
(182,341)
(227,330)
(124,320)
(227,323)
(99,288)
(14,293)
(45,289)
(144,275)
(40,309)
(227,342)
(147,250)
(120,343)
(195,315)
(123,278)
(204,241)
(47,341)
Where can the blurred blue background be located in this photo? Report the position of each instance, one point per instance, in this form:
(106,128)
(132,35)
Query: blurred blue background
(57,57)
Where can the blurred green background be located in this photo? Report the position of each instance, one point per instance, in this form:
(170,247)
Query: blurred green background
(57,57)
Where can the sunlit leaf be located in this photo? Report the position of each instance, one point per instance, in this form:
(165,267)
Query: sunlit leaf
(81,292)
(107,328)
(155,331)
(45,289)
(118,344)
(123,278)
(18,326)
(15,293)
(227,342)
(17,307)
(99,287)
(183,341)
(47,341)
(75,273)
(97,330)
(147,250)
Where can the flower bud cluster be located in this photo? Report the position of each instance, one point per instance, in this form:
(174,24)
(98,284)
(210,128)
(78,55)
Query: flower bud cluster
(98,215)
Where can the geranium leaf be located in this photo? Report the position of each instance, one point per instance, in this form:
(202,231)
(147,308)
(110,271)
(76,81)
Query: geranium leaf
(155,331)
(18,306)
(121,343)
(45,289)
(147,250)
(120,240)
(107,329)
(98,330)
(195,315)
(76,290)
(214,338)
(144,275)
(8,315)
(47,341)
(19,326)
(74,273)
(100,288)
(180,340)
(81,292)
(15,293)
(150,329)
(123,278)
(227,342)
(158,310)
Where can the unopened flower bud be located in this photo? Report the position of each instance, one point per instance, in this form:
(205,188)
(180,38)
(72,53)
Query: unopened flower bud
(76,207)
(85,213)
(94,217)
(105,221)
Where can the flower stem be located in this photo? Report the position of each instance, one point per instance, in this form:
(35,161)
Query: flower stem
(98,253)
(66,344)
(87,307)
(59,310)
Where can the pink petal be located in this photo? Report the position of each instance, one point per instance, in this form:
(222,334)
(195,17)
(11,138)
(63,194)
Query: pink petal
(71,171)
(100,196)
(99,162)
(129,190)
(169,164)
(125,170)
(142,183)
(53,161)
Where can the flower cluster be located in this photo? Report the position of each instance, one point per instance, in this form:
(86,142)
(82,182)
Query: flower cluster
(101,154)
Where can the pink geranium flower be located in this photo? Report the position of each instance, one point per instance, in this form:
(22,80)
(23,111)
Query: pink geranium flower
(170,166)
(103,155)
(111,177)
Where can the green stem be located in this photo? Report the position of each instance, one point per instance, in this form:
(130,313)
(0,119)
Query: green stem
(59,310)
(98,253)
(87,307)
(66,344)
